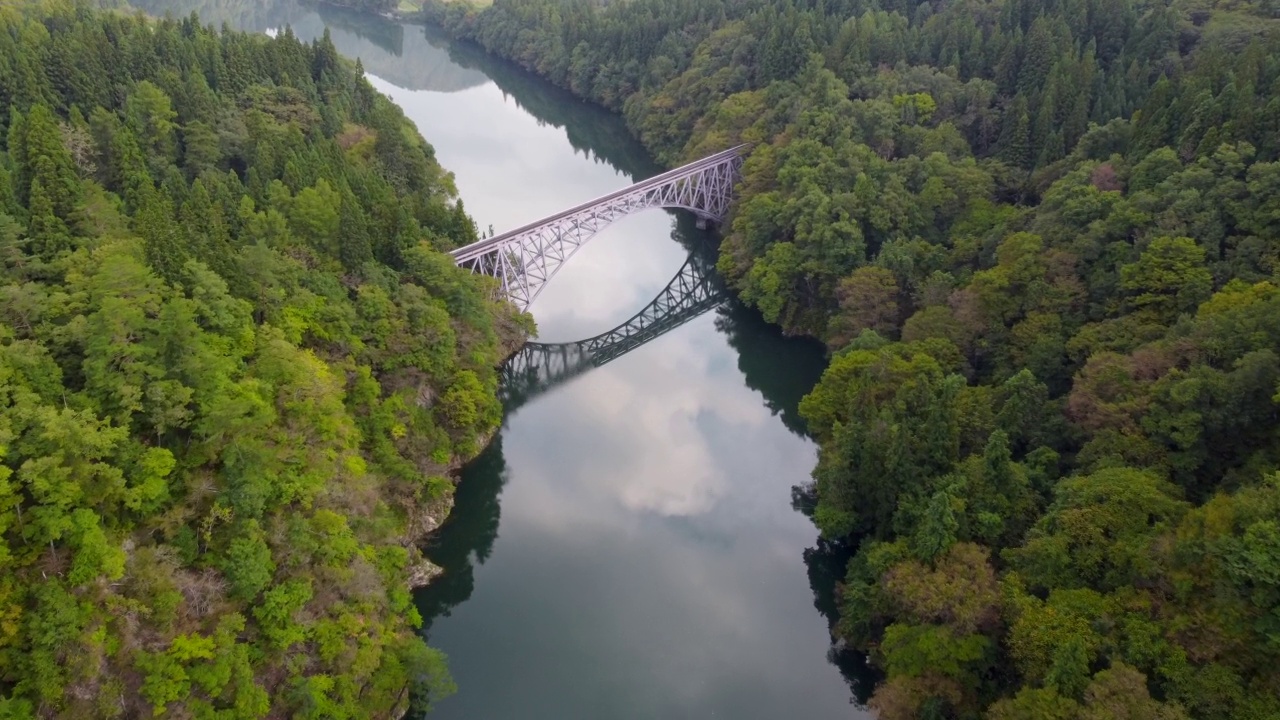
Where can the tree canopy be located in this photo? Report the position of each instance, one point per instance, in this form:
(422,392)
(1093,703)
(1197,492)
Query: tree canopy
(235,365)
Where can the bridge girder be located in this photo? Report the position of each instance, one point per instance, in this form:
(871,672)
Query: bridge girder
(525,259)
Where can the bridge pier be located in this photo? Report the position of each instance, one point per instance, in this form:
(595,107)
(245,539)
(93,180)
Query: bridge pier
(701,223)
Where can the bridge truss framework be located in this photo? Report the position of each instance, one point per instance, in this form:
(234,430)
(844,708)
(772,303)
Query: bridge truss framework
(525,259)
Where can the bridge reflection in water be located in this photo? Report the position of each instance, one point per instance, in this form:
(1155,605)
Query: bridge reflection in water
(540,367)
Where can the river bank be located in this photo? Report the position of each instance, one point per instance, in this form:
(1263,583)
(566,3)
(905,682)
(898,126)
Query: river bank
(643,494)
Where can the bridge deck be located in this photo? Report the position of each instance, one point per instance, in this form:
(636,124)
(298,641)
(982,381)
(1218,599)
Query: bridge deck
(487,245)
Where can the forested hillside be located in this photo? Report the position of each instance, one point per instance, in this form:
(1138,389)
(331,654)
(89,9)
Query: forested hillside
(378,6)
(235,367)
(1041,239)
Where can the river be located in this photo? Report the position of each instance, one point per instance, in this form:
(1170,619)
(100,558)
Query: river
(630,545)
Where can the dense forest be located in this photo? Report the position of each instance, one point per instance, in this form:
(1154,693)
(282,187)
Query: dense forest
(374,6)
(235,370)
(1041,240)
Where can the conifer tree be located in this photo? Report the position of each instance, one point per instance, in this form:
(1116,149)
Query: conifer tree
(162,240)
(36,138)
(48,232)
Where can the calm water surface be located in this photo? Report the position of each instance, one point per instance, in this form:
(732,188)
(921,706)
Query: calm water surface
(629,546)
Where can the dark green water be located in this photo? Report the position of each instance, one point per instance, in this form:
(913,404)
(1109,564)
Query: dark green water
(630,546)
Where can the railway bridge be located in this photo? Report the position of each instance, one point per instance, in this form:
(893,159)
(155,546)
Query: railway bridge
(525,259)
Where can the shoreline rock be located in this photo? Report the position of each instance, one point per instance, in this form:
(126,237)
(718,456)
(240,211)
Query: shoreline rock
(422,571)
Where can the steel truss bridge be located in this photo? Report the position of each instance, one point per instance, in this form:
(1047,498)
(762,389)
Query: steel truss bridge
(539,367)
(525,259)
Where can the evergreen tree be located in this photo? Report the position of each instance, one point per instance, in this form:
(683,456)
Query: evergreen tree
(48,232)
(162,240)
(1015,138)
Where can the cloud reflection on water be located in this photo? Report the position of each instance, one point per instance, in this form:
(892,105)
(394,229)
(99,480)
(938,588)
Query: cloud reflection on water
(648,562)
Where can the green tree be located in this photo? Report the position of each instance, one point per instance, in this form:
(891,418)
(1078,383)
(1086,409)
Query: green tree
(248,564)
(162,240)
(314,215)
(1098,531)
(150,115)
(1035,704)
(1120,693)
(1169,278)
(937,529)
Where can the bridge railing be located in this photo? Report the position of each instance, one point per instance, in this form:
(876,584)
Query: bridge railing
(483,247)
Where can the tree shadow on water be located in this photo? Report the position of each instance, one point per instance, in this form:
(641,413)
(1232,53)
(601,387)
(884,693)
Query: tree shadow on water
(826,564)
(466,539)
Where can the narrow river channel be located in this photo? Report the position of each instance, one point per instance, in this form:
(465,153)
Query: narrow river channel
(629,546)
